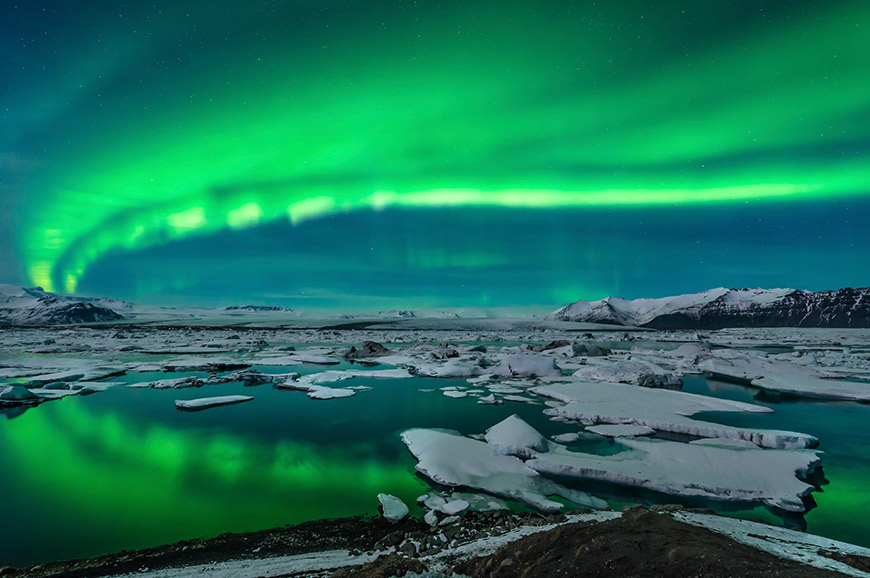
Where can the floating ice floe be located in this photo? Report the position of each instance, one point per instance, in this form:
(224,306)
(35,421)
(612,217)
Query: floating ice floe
(456,367)
(526,365)
(296,359)
(207,402)
(744,366)
(394,509)
(333,376)
(782,377)
(17,395)
(722,470)
(814,387)
(201,363)
(662,410)
(315,391)
(176,383)
(449,459)
(520,399)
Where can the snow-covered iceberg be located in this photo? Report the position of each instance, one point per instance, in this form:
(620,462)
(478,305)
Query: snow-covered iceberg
(449,459)
(662,410)
(722,470)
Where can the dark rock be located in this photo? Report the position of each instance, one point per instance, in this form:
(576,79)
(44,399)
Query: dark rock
(368,349)
(660,381)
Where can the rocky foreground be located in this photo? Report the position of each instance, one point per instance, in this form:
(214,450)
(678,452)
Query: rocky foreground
(664,541)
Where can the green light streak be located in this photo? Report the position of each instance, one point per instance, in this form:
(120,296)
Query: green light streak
(492,105)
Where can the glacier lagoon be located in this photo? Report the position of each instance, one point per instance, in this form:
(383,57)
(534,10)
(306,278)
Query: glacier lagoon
(122,469)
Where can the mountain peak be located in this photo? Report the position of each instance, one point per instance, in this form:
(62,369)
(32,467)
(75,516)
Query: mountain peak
(720,307)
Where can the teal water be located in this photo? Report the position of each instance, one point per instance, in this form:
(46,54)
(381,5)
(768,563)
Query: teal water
(124,469)
(844,437)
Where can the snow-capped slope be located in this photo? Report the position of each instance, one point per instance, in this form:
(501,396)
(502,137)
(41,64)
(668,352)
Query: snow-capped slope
(22,306)
(719,308)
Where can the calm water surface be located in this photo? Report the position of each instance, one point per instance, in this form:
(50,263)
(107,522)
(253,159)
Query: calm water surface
(124,469)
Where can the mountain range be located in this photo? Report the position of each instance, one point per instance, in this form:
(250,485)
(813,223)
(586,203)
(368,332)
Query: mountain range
(720,308)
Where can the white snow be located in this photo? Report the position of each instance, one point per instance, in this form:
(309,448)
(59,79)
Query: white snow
(316,562)
(641,311)
(206,402)
(789,544)
(514,437)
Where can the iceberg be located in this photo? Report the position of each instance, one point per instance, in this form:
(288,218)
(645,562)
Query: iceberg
(394,509)
(449,459)
(207,402)
(662,410)
(723,470)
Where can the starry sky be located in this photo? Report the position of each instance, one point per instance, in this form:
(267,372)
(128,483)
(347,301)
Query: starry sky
(333,155)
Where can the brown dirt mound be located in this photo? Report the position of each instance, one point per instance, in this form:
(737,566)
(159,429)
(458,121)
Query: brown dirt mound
(385,566)
(640,544)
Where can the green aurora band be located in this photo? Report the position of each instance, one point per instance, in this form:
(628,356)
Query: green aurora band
(194,120)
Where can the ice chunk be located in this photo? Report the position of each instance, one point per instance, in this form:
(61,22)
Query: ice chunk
(394,509)
(480,502)
(207,402)
(526,366)
(662,410)
(732,472)
(449,459)
(790,544)
(514,437)
(456,367)
(315,391)
(489,400)
(177,383)
(431,518)
(566,438)
(16,395)
(454,507)
(814,387)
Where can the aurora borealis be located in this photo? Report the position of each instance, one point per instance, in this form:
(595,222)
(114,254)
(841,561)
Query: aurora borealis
(352,154)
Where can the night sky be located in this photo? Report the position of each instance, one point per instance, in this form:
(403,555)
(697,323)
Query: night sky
(351,155)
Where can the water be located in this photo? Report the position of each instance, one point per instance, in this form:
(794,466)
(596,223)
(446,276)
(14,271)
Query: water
(843,437)
(123,469)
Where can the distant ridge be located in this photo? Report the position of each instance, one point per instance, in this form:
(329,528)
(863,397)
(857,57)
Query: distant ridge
(34,306)
(256,308)
(720,308)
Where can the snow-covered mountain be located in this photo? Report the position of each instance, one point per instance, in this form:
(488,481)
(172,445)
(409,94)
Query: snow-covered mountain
(719,308)
(23,306)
